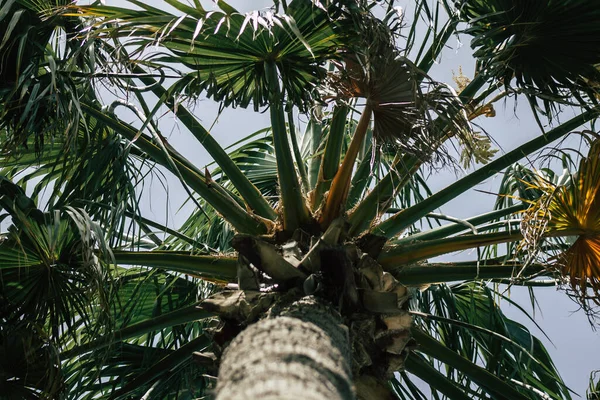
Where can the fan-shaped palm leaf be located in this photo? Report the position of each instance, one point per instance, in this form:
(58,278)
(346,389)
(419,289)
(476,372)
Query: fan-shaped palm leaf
(404,106)
(573,210)
(156,317)
(53,290)
(404,102)
(228,53)
(80,176)
(549,48)
(49,270)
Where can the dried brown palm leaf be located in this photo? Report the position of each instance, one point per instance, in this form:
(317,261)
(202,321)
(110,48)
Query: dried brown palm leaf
(410,110)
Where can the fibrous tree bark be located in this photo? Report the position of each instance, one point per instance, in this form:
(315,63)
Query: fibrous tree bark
(301,351)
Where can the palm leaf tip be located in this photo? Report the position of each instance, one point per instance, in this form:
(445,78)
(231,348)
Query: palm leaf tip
(573,210)
(549,48)
(593,392)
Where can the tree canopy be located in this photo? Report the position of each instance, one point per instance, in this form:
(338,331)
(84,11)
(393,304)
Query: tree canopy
(329,202)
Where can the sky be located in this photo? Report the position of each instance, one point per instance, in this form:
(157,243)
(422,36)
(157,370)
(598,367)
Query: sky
(575,347)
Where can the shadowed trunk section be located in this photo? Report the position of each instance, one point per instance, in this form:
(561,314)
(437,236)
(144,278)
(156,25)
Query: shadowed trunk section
(301,352)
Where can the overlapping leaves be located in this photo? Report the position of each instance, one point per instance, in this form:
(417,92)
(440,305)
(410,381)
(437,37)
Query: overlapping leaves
(99,168)
(467,319)
(112,325)
(405,103)
(39,89)
(573,209)
(51,283)
(227,53)
(48,266)
(145,339)
(548,48)
(29,363)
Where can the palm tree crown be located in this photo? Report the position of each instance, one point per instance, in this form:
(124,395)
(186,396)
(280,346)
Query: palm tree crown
(314,227)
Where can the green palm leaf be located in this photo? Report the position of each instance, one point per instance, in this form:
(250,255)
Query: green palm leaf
(155,313)
(593,393)
(228,52)
(39,95)
(547,48)
(466,319)
(100,159)
(49,270)
(100,301)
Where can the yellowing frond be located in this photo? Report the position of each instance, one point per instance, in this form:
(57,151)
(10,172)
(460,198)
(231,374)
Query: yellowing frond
(573,210)
(581,264)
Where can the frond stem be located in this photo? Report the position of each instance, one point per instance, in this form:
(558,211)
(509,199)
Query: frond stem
(341,182)
(297,154)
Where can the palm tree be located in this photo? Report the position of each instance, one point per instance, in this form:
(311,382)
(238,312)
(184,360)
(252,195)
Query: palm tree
(302,271)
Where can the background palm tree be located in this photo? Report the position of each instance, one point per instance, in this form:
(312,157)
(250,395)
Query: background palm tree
(303,267)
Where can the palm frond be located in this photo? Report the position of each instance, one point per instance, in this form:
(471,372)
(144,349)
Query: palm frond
(80,177)
(549,49)
(49,269)
(228,52)
(39,88)
(148,313)
(98,301)
(466,319)
(593,393)
(125,363)
(400,221)
(572,209)
(256,159)
(405,102)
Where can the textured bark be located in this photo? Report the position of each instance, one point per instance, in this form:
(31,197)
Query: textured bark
(300,352)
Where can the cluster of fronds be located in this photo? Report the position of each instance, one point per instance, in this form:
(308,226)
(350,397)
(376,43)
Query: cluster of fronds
(39,96)
(249,45)
(572,210)
(537,45)
(95,329)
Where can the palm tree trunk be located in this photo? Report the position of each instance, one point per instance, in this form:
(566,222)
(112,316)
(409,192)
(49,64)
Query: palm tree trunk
(299,352)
